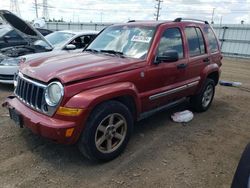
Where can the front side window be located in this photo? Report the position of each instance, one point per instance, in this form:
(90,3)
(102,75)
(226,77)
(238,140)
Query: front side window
(130,41)
(195,41)
(171,40)
(213,45)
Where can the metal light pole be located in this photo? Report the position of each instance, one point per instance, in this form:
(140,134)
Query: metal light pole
(101,16)
(212,20)
(36,8)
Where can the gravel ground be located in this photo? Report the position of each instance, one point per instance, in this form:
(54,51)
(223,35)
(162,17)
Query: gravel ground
(161,153)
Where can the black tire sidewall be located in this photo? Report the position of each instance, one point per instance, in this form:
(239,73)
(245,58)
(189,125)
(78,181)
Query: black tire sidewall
(209,82)
(197,100)
(97,116)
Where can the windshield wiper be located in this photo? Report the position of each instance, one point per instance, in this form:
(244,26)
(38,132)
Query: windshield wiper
(91,50)
(120,54)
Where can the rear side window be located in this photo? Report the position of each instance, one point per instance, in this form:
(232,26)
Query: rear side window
(171,40)
(195,41)
(213,45)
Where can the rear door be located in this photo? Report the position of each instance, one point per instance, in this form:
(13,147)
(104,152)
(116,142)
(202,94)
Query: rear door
(198,58)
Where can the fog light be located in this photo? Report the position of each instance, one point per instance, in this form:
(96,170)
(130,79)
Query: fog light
(69,111)
(69,132)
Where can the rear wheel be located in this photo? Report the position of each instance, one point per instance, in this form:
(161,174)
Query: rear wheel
(107,131)
(203,100)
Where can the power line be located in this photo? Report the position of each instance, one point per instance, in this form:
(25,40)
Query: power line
(158,7)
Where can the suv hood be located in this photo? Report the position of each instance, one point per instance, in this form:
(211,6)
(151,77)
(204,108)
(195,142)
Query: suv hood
(29,33)
(74,67)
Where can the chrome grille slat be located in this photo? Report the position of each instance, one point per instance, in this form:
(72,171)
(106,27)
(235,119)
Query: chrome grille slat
(36,97)
(31,96)
(20,87)
(27,92)
(23,89)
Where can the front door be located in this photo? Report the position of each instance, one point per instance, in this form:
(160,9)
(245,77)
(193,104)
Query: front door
(164,78)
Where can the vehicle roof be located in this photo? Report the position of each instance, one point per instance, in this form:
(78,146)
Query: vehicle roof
(154,23)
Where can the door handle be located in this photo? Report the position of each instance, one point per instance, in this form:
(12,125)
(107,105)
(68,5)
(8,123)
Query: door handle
(182,66)
(206,60)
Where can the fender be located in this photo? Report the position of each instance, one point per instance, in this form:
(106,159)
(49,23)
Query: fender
(206,71)
(90,98)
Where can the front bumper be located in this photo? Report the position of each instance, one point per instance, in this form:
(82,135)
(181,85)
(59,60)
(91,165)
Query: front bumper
(7,74)
(48,127)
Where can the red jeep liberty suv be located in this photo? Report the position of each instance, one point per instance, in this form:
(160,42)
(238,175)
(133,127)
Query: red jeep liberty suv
(127,73)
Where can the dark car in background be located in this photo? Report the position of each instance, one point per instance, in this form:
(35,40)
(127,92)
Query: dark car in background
(9,37)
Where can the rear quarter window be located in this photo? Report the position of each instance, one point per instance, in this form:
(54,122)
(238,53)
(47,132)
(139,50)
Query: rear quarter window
(212,41)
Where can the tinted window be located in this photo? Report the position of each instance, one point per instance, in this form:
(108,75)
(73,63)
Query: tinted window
(171,40)
(195,41)
(201,40)
(213,45)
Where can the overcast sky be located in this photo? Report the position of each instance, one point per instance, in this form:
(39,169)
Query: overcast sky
(231,11)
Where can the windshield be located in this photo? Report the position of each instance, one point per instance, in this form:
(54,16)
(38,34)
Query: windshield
(4,30)
(56,39)
(130,41)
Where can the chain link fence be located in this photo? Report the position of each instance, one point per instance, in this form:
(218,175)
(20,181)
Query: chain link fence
(234,39)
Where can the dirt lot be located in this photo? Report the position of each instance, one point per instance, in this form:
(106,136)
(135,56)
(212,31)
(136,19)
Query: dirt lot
(161,153)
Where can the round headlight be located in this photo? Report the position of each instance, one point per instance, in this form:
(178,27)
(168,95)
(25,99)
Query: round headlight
(54,93)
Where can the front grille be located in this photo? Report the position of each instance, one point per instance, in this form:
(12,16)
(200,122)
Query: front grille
(6,77)
(30,92)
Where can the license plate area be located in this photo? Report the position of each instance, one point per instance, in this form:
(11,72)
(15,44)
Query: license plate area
(16,117)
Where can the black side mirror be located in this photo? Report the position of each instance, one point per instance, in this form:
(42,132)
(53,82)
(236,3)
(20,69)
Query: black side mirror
(168,56)
(6,38)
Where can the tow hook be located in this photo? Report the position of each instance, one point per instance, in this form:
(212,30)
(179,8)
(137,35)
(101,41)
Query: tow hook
(5,103)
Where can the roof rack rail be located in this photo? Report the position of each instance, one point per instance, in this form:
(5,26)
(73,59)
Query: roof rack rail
(131,21)
(191,19)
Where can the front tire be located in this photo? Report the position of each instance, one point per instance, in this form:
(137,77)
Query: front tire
(202,101)
(107,131)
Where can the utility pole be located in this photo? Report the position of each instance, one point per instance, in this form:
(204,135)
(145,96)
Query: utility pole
(158,8)
(14,7)
(45,10)
(212,20)
(36,8)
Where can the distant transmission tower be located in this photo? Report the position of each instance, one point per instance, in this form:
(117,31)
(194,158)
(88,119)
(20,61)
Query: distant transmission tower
(14,7)
(36,7)
(45,10)
(158,8)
